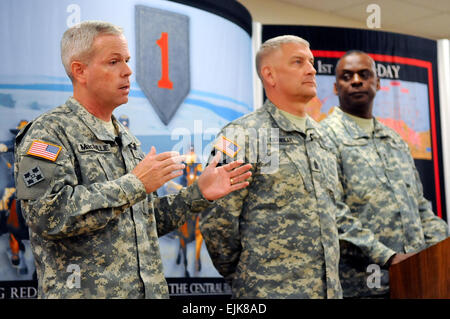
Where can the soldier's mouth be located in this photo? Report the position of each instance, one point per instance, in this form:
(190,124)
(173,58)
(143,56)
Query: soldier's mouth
(358,93)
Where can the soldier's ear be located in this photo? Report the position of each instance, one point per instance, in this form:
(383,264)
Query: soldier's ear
(335,90)
(78,71)
(378,83)
(268,75)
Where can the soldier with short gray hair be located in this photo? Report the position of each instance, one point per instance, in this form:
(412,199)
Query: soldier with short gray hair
(278,237)
(87,190)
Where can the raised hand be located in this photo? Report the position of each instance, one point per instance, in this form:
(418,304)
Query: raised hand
(216,182)
(156,169)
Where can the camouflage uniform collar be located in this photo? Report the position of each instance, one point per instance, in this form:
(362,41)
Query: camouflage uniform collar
(92,122)
(379,130)
(350,125)
(311,127)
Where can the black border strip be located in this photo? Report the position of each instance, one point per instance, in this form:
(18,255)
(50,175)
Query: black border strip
(229,9)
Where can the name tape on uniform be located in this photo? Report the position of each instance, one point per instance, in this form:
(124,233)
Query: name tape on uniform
(100,148)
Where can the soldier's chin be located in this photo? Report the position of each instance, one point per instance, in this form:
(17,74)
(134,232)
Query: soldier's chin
(124,100)
(312,91)
(310,95)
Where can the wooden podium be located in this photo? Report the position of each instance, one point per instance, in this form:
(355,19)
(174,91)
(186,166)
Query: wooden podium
(424,275)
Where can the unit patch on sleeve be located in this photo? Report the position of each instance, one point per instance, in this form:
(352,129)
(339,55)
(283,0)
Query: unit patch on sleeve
(227,146)
(33,176)
(44,150)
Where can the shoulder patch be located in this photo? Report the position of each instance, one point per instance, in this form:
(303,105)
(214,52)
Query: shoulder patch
(44,150)
(33,176)
(227,146)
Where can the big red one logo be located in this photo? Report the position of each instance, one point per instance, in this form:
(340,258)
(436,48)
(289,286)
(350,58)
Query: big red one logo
(162,53)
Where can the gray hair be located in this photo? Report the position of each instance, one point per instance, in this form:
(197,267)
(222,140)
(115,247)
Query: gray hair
(273,44)
(76,43)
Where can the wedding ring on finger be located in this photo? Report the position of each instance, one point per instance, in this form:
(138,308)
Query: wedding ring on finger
(231,181)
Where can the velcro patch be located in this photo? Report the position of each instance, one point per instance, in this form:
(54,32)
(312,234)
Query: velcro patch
(282,140)
(227,146)
(44,150)
(33,176)
(315,166)
(99,148)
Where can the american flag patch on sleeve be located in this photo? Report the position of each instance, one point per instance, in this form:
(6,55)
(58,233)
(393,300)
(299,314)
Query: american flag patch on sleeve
(44,150)
(227,146)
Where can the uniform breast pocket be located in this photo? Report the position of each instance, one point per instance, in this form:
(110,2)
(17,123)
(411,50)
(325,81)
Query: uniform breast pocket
(330,183)
(94,168)
(138,155)
(105,167)
(289,169)
(408,175)
(329,169)
(278,182)
(363,171)
(401,166)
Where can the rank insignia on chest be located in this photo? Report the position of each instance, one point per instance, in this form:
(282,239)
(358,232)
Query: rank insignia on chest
(33,176)
(44,150)
(227,146)
(315,166)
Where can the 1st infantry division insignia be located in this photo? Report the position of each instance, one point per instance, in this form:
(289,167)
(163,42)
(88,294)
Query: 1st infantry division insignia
(33,176)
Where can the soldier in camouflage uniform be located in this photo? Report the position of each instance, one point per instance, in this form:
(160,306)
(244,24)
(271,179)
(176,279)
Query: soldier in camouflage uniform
(278,238)
(88,192)
(382,186)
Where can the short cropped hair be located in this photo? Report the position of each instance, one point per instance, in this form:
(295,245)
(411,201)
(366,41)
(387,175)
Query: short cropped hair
(76,43)
(273,44)
(355,52)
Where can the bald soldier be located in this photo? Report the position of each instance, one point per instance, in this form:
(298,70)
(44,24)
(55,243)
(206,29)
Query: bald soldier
(278,237)
(380,181)
(88,192)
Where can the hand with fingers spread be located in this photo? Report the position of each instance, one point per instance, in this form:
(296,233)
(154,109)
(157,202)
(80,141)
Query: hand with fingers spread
(156,169)
(216,182)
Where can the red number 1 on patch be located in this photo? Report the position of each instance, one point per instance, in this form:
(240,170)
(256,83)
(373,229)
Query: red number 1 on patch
(163,43)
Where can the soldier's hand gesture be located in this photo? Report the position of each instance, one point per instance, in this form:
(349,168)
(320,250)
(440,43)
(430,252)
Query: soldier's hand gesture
(157,169)
(216,182)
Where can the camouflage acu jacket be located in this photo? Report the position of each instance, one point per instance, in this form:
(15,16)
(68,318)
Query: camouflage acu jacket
(383,190)
(277,238)
(94,230)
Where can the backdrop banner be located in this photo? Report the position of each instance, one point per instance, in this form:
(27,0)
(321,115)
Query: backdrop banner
(192,75)
(408,100)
